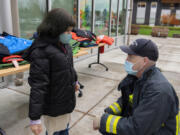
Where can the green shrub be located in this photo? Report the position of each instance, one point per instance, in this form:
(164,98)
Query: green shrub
(146,29)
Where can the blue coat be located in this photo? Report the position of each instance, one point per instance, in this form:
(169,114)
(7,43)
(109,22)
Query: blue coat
(15,44)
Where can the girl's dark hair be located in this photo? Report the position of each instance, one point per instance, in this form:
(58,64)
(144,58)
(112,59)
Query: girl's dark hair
(55,23)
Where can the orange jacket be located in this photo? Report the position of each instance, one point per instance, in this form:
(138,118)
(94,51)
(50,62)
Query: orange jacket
(75,37)
(105,39)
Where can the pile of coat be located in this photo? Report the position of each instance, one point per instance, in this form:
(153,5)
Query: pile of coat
(75,46)
(85,38)
(82,38)
(11,48)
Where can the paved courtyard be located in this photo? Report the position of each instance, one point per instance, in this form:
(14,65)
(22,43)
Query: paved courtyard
(99,92)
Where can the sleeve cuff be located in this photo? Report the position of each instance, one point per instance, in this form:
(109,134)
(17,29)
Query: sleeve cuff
(35,122)
(103,123)
(77,82)
(109,124)
(108,110)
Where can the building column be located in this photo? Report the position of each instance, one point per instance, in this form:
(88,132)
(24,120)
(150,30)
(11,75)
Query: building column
(5,17)
(15,18)
(148,11)
(158,13)
(134,12)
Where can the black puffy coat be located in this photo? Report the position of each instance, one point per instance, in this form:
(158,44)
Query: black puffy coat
(52,78)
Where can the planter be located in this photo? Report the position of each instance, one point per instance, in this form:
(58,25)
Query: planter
(176,35)
(160,31)
(134,30)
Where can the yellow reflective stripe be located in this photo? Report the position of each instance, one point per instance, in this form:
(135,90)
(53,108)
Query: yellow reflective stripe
(113,109)
(111,124)
(131,98)
(177,124)
(115,125)
(108,123)
(118,107)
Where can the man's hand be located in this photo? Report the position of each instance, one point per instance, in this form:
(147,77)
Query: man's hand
(96,123)
(36,129)
(77,87)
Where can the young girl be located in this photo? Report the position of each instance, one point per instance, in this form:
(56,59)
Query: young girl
(52,77)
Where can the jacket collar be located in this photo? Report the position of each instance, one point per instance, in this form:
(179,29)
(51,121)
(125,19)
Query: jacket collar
(128,80)
(147,72)
(49,40)
(39,42)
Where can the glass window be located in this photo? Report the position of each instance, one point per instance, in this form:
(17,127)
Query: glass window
(69,5)
(178,15)
(114,17)
(153,13)
(122,16)
(85,14)
(66,4)
(101,17)
(141,10)
(175,18)
(31,13)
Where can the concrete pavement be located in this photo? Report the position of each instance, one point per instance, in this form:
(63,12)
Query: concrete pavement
(99,92)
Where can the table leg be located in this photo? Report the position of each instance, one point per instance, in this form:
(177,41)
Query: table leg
(98,61)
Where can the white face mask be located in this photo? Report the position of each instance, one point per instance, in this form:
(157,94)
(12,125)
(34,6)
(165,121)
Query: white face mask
(129,68)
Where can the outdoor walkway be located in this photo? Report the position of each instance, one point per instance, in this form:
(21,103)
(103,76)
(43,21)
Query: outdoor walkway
(101,86)
(99,92)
